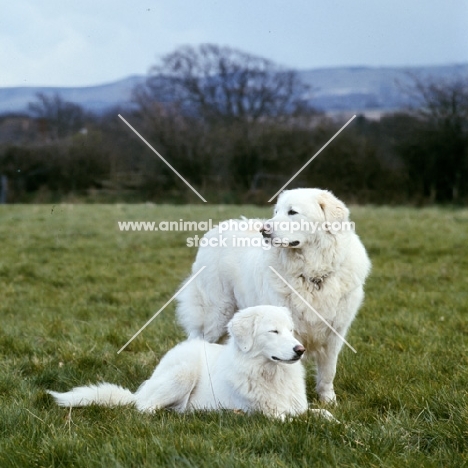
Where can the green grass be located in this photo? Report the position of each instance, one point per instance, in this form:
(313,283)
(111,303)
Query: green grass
(73,290)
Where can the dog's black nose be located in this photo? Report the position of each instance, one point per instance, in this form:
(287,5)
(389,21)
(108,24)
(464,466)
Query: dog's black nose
(299,349)
(266,232)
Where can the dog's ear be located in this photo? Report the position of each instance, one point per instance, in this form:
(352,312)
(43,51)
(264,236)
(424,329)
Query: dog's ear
(333,209)
(242,329)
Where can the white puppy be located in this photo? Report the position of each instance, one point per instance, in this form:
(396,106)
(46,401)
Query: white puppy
(257,370)
(326,266)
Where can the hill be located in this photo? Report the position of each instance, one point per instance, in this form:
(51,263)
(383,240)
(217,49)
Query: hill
(348,89)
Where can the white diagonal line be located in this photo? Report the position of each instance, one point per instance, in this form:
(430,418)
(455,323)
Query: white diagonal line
(161,309)
(313,157)
(311,308)
(136,133)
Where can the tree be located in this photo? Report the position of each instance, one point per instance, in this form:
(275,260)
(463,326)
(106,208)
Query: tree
(58,117)
(207,106)
(223,84)
(436,151)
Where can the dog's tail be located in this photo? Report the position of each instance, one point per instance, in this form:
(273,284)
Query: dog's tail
(104,394)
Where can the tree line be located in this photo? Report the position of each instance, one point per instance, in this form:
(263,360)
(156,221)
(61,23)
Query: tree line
(238,127)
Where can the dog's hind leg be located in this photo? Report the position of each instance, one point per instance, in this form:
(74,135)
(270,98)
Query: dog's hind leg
(205,314)
(173,380)
(171,391)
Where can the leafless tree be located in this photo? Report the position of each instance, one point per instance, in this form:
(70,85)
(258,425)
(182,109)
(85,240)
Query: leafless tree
(223,84)
(59,118)
(442,103)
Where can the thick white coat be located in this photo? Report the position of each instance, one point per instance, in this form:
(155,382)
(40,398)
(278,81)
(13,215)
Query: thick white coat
(257,370)
(237,277)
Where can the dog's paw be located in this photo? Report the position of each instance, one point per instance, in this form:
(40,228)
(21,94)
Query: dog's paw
(147,408)
(323,413)
(328,397)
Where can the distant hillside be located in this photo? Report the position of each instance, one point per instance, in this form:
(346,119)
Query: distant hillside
(360,89)
(352,89)
(93,98)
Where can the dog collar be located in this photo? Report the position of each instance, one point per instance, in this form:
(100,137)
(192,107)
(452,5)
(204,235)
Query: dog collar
(317,281)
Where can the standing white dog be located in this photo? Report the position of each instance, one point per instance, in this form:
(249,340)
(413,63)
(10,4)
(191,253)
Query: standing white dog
(257,370)
(326,264)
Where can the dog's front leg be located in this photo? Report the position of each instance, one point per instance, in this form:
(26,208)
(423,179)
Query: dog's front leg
(326,359)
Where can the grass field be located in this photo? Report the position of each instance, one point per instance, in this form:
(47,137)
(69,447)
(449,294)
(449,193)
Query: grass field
(74,289)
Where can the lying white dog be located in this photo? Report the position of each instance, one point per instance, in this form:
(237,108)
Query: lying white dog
(326,266)
(257,370)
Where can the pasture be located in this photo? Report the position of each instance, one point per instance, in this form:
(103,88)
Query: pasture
(74,289)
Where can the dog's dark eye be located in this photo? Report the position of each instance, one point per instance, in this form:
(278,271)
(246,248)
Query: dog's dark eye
(274,331)
(292,212)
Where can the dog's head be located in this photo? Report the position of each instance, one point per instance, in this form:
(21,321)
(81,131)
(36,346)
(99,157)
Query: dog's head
(301,214)
(266,331)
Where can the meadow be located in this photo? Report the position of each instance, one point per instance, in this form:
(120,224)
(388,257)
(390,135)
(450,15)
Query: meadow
(74,289)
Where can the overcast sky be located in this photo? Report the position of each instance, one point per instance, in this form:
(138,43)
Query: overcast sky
(87,42)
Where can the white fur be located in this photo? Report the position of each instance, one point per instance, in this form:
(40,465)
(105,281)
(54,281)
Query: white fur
(238,277)
(257,370)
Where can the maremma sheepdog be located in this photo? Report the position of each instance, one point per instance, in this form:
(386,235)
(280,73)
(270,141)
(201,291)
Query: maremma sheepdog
(306,258)
(258,369)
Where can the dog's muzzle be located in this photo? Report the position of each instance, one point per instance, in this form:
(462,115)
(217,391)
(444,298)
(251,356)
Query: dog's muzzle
(299,350)
(266,232)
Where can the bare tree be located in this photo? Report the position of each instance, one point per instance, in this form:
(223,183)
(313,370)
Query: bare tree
(207,107)
(219,83)
(60,118)
(442,103)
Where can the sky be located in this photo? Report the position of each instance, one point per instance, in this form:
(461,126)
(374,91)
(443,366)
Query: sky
(82,43)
